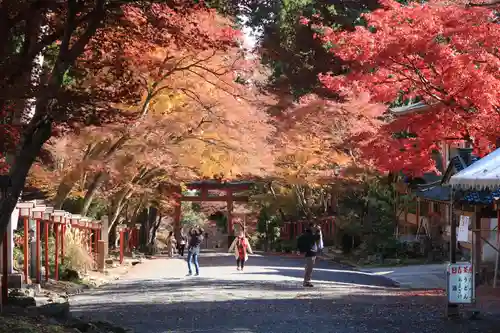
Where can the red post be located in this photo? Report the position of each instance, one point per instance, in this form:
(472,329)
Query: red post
(230,230)
(136,238)
(38,273)
(89,231)
(122,244)
(63,233)
(56,266)
(498,223)
(97,239)
(46,231)
(26,249)
(5,271)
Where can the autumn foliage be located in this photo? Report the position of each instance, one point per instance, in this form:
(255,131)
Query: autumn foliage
(315,142)
(445,55)
(172,77)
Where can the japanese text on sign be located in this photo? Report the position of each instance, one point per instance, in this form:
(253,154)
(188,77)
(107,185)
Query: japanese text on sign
(460,283)
(463,229)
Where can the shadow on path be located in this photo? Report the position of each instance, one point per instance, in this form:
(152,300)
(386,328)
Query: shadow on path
(192,285)
(341,277)
(351,314)
(324,271)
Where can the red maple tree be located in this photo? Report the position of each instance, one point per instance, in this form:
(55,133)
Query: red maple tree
(62,31)
(445,55)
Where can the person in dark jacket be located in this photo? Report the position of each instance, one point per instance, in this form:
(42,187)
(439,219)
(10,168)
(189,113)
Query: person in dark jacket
(309,244)
(195,240)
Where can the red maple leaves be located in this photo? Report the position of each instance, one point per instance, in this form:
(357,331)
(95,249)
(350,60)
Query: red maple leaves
(445,55)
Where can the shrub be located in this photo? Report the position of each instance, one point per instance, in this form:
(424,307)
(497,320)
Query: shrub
(76,251)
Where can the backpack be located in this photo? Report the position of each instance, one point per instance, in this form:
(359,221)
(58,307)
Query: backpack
(303,244)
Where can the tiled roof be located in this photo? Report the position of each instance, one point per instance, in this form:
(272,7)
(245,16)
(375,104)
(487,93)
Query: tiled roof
(436,193)
(442,193)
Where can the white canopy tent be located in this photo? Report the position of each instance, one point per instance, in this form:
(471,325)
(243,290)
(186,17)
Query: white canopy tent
(484,174)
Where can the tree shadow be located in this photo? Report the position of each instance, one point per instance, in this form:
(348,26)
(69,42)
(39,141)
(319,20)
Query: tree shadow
(258,313)
(183,286)
(335,276)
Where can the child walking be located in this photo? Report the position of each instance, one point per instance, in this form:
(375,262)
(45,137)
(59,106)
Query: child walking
(241,248)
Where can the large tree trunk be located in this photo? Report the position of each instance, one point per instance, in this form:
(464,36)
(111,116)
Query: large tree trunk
(144,232)
(152,214)
(112,236)
(92,190)
(99,150)
(156,224)
(31,145)
(39,129)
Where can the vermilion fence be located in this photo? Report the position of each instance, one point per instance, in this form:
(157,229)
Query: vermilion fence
(46,218)
(59,221)
(290,230)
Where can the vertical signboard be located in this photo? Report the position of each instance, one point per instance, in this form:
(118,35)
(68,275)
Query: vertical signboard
(460,286)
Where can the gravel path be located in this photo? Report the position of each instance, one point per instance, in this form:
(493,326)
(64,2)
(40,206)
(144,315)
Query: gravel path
(156,297)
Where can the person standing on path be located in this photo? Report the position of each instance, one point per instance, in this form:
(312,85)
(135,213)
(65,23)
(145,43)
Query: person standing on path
(309,243)
(182,243)
(241,248)
(195,240)
(171,242)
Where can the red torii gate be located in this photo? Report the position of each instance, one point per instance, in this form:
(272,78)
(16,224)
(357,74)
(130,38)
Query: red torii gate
(229,187)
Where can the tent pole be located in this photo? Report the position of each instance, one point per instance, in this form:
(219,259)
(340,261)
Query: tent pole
(498,247)
(452,309)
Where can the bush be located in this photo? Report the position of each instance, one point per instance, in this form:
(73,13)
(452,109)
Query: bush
(289,246)
(76,251)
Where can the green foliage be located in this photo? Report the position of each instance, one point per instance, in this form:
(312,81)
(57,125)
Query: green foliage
(268,226)
(97,209)
(294,56)
(369,214)
(50,56)
(191,215)
(287,246)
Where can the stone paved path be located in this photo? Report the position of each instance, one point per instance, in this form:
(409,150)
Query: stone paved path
(417,276)
(156,297)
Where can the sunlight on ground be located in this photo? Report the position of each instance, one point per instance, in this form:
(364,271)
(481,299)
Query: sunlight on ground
(382,273)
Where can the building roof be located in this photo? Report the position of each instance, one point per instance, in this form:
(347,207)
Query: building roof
(481,175)
(215,184)
(407,109)
(434,193)
(441,191)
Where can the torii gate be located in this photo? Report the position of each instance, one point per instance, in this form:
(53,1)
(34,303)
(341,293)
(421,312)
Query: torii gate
(204,187)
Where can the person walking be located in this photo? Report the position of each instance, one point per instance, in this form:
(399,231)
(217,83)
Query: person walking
(171,242)
(182,243)
(195,240)
(241,248)
(310,243)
